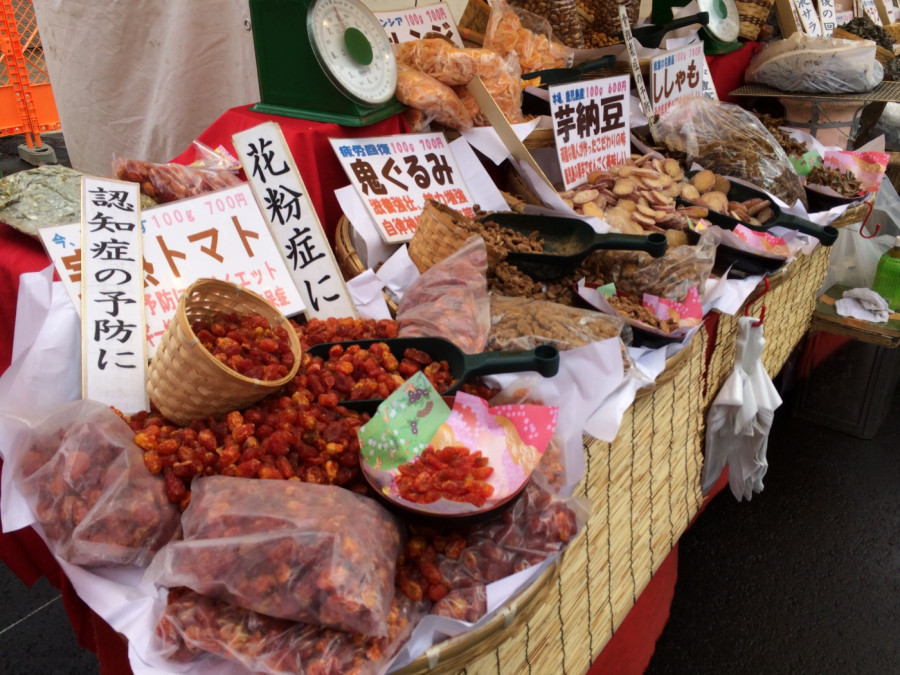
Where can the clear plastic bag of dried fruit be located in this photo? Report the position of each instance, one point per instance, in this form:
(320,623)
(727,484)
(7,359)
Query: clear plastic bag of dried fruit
(171,182)
(85,481)
(525,323)
(450,300)
(732,141)
(527,35)
(562,15)
(436,100)
(670,276)
(318,554)
(195,627)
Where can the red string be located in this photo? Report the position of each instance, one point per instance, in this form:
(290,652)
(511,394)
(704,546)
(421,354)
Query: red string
(762,311)
(862,227)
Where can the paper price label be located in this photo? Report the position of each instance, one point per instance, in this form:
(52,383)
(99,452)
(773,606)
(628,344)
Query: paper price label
(676,74)
(809,17)
(417,23)
(643,96)
(828,16)
(395,175)
(590,122)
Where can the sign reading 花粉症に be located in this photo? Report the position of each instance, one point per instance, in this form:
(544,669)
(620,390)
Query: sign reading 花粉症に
(113,354)
(676,74)
(395,175)
(590,122)
(415,23)
(285,204)
(220,235)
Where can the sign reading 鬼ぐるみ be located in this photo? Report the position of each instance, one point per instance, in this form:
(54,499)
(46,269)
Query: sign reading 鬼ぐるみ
(676,74)
(395,175)
(590,122)
(220,235)
(113,354)
(284,202)
(417,23)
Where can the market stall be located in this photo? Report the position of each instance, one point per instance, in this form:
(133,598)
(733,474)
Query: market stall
(656,242)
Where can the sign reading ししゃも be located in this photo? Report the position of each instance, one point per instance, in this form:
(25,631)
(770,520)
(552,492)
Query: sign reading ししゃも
(113,354)
(395,175)
(293,221)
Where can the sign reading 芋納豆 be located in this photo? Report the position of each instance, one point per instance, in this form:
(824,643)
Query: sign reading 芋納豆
(590,122)
(417,23)
(113,354)
(220,235)
(676,74)
(283,200)
(811,22)
(395,175)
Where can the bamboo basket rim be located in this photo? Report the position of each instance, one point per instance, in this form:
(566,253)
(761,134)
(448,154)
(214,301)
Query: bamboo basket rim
(461,648)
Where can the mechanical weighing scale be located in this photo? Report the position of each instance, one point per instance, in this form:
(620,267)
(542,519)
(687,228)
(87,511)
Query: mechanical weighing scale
(323,60)
(720,35)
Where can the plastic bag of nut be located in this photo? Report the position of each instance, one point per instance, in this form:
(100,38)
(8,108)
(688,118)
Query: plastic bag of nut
(603,20)
(562,16)
(523,323)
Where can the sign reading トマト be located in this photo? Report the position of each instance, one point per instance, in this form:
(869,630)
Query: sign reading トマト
(590,122)
(395,175)
(676,74)
(417,23)
(221,235)
(283,200)
(113,357)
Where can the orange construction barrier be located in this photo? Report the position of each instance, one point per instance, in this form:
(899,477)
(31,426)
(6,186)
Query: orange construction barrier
(26,98)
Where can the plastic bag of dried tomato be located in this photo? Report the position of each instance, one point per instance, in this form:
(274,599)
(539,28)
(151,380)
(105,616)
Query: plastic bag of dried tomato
(194,627)
(318,554)
(86,483)
(450,300)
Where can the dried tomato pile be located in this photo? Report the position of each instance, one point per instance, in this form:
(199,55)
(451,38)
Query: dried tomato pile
(452,569)
(247,343)
(356,374)
(454,472)
(317,331)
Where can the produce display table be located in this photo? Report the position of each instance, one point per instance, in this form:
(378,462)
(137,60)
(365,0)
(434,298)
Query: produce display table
(606,600)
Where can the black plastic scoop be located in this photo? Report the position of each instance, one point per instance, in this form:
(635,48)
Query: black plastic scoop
(568,241)
(652,36)
(826,234)
(573,74)
(543,359)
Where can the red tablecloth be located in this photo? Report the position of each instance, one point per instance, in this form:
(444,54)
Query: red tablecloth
(318,165)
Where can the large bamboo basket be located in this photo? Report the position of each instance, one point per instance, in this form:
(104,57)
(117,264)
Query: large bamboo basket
(185,381)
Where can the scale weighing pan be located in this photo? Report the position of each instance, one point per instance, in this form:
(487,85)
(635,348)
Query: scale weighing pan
(652,36)
(827,234)
(543,359)
(568,241)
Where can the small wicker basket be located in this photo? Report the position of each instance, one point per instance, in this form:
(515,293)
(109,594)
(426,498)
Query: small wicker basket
(441,232)
(185,381)
(753,14)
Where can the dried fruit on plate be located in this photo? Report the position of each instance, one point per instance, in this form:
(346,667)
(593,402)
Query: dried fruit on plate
(453,472)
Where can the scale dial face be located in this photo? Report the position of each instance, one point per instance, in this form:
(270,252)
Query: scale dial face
(353,50)
(724,19)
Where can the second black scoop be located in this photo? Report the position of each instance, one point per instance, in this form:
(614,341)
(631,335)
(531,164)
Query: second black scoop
(543,359)
(568,241)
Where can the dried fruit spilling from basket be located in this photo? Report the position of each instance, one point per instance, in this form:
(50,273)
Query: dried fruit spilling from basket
(247,343)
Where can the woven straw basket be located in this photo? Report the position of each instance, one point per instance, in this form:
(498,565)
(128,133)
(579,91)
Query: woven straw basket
(440,232)
(185,381)
(753,14)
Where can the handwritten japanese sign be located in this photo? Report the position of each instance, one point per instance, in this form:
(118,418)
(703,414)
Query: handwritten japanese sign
(639,85)
(871,10)
(590,121)
(221,235)
(395,175)
(828,16)
(415,23)
(676,74)
(113,357)
(810,21)
(283,199)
